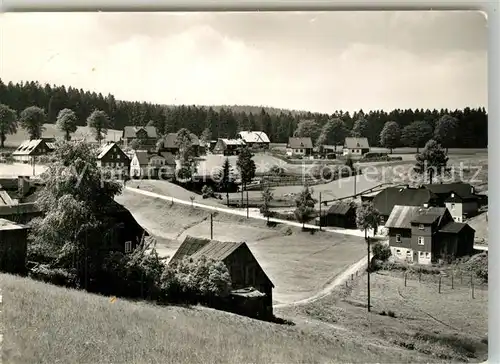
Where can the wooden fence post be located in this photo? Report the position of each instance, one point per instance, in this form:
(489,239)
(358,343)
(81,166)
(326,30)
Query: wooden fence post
(405,279)
(439,284)
(472,285)
(352,277)
(452,285)
(419,277)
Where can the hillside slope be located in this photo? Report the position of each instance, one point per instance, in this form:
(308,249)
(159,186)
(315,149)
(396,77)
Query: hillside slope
(47,324)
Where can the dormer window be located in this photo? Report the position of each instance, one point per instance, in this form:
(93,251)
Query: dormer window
(421,227)
(452,195)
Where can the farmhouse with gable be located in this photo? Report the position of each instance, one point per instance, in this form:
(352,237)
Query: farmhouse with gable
(254,139)
(112,157)
(356,146)
(300,146)
(152,165)
(29,149)
(228,146)
(147,134)
(168,143)
(252,293)
(426,234)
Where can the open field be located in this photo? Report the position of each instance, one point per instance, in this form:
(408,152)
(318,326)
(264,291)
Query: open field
(450,326)
(51,131)
(48,324)
(299,263)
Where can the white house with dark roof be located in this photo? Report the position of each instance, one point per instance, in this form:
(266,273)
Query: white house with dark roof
(299,146)
(254,139)
(356,146)
(32,148)
(152,165)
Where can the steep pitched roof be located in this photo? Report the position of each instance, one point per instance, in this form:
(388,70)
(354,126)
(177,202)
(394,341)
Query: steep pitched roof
(455,227)
(340,208)
(189,246)
(233,141)
(356,143)
(254,136)
(28,147)
(464,190)
(106,148)
(142,157)
(217,250)
(401,217)
(131,131)
(386,199)
(429,215)
(297,143)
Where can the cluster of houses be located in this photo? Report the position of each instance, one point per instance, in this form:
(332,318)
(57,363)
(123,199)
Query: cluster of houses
(424,224)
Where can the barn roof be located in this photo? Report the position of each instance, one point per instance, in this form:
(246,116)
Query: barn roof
(27,147)
(455,227)
(131,131)
(386,199)
(297,143)
(254,136)
(169,140)
(464,190)
(340,208)
(189,246)
(356,143)
(429,215)
(401,217)
(232,141)
(10,225)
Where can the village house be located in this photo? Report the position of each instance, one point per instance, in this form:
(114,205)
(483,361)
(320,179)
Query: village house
(254,139)
(111,157)
(152,165)
(168,143)
(341,214)
(299,146)
(356,146)
(460,198)
(148,136)
(385,200)
(228,146)
(426,234)
(13,247)
(30,149)
(252,293)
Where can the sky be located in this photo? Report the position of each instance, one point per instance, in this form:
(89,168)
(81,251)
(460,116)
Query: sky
(314,61)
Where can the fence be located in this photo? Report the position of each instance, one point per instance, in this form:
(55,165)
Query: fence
(444,282)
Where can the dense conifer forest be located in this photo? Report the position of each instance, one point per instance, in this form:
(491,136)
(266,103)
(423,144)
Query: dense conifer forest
(226,121)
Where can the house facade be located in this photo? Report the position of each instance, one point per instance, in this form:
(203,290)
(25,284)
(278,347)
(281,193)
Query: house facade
(244,269)
(168,143)
(254,139)
(299,146)
(152,165)
(228,146)
(460,198)
(356,146)
(148,136)
(424,235)
(29,149)
(13,246)
(112,158)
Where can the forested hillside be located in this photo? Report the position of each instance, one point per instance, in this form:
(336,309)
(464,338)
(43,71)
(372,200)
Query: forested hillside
(226,121)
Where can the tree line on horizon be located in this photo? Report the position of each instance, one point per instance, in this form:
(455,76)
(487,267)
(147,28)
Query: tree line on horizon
(405,127)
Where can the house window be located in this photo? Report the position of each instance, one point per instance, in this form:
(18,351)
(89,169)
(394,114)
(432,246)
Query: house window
(420,254)
(427,255)
(128,246)
(398,238)
(452,206)
(382,220)
(408,253)
(398,252)
(420,240)
(420,227)
(117,156)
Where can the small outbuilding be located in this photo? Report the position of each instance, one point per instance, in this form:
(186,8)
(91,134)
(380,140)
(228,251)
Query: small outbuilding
(13,246)
(341,214)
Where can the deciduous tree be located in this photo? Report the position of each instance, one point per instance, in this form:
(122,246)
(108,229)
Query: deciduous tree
(360,127)
(446,131)
(246,167)
(8,123)
(390,135)
(98,122)
(432,161)
(66,122)
(32,119)
(267,197)
(304,205)
(416,134)
(307,128)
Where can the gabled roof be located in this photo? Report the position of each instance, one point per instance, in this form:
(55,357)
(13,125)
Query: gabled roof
(455,227)
(169,141)
(401,217)
(144,157)
(429,215)
(106,148)
(386,199)
(254,136)
(131,131)
(297,143)
(351,143)
(340,208)
(28,147)
(237,142)
(464,190)
(189,246)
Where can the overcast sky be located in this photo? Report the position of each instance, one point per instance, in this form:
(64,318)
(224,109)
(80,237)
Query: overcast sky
(310,61)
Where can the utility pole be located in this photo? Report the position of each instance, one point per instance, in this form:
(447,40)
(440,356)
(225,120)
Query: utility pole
(367,239)
(247,207)
(320,211)
(355,179)
(211,226)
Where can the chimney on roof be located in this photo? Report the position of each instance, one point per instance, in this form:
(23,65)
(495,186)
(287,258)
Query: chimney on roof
(23,185)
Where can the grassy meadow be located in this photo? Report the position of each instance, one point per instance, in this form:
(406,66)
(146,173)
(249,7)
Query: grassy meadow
(299,263)
(48,324)
(450,325)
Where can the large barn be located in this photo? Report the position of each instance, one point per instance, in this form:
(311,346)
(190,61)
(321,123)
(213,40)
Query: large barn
(252,293)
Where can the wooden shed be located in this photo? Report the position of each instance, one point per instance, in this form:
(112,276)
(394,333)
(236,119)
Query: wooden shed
(13,246)
(252,293)
(340,214)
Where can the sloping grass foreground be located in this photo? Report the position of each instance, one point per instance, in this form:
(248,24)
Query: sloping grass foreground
(48,324)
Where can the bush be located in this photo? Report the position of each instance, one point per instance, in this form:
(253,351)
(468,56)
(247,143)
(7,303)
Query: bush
(207,191)
(381,252)
(277,171)
(195,281)
(57,276)
(478,265)
(391,313)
